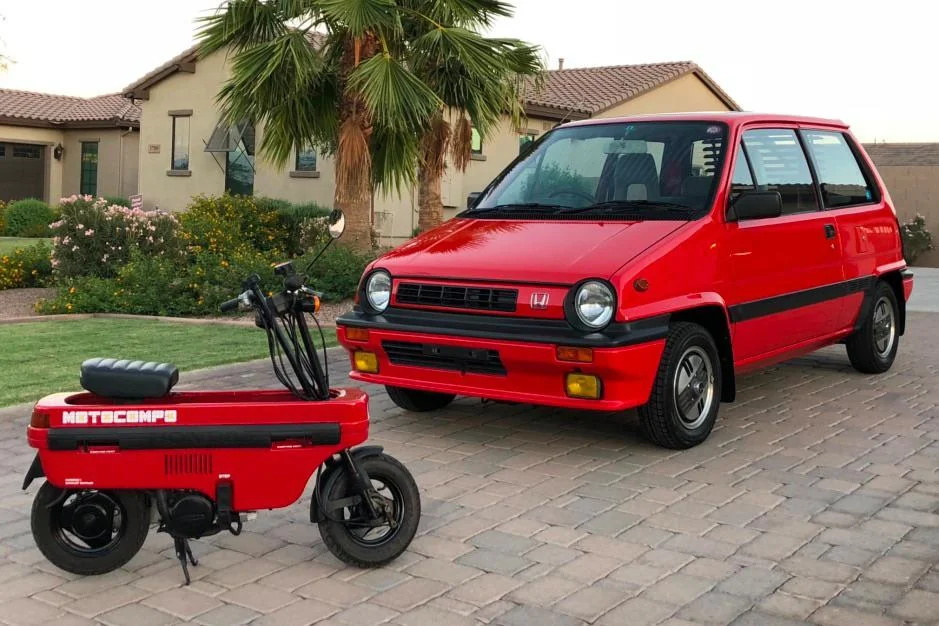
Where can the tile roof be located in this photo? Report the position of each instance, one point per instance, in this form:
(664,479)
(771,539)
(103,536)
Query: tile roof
(903,154)
(42,109)
(590,90)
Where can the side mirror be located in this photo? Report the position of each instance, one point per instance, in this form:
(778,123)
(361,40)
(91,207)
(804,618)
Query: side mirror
(754,205)
(471,199)
(337,224)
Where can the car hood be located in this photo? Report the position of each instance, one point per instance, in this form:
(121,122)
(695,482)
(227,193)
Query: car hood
(561,252)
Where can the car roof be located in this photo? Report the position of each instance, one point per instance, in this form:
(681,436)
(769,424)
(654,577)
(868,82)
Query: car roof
(732,118)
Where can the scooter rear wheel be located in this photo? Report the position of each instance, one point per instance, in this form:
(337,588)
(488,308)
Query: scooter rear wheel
(89,532)
(354,542)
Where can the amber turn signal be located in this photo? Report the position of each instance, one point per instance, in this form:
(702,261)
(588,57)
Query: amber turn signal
(357,334)
(316,304)
(39,420)
(365,362)
(583,386)
(580,355)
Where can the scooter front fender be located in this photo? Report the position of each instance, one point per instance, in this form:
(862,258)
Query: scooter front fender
(332,464)
(35,471)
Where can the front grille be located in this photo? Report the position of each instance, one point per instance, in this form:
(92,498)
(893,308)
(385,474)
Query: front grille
(478,298)
(187,463)
(466,360)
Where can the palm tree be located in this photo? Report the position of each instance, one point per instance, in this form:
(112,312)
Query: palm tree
(368,89)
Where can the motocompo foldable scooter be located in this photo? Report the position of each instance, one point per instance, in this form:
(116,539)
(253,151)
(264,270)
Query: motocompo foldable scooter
(128,444)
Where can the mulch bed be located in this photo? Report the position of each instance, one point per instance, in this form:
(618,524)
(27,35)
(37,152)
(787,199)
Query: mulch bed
(21,302)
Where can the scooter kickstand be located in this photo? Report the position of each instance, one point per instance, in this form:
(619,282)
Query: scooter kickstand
(184,554)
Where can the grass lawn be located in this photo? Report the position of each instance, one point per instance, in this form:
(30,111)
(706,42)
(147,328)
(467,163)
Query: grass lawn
(9,244)
(39,358)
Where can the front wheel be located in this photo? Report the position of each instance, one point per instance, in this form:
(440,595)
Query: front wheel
(418,401)
(89,532)
(873,348)
(686,395)
(370,543)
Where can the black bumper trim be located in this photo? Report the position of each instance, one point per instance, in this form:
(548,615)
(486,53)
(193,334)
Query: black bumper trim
(179,437)
(502,328)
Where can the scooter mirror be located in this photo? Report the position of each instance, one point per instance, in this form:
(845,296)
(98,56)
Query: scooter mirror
(337,224)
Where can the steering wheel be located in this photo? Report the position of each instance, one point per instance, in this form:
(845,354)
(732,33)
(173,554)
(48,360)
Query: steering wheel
(573,192)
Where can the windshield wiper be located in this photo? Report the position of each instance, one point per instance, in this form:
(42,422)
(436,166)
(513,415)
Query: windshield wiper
(535,207)
(621,205)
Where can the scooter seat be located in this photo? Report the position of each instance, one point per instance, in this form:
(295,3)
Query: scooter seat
(122,378)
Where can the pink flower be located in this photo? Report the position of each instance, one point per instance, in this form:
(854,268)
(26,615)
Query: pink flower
(74,248)
(89,232)
(104,258)
(80,227)
(55,262)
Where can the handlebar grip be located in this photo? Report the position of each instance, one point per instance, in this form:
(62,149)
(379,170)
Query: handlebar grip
(229,305)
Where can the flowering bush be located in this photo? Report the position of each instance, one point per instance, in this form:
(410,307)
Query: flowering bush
(25,267)
(230,225)
(93,237)
(3,217)
(916,238)
(28,218)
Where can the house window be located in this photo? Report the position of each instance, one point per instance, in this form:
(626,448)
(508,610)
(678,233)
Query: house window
(26,152)
(306,159)
(524,139)
(477,142)
(180,153)
(3,150)
(89,169)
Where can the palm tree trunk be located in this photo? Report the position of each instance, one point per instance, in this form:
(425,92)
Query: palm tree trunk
(429,201)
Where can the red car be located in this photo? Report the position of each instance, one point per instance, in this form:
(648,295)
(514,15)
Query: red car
(642,262)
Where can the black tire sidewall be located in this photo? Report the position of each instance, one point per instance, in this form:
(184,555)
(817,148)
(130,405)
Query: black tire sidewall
(136,511)
(695,337)
(417,400)
(337,537)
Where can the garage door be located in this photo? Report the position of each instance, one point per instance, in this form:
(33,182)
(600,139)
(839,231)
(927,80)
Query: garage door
(22,171)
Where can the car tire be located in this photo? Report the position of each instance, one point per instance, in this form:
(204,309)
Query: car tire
(418,401)
(686,394)
(872,349)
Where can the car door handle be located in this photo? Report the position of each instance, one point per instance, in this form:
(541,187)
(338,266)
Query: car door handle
(830,231)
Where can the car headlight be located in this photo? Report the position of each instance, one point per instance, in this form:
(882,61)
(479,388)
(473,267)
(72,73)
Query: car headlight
(593,304)
(378,291)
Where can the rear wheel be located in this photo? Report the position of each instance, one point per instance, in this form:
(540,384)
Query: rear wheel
(360,541)
(686,395)
(89,532)
(418,401)
(873,348)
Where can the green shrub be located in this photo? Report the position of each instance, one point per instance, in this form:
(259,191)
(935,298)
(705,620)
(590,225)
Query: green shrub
(302,227)
(28,218)
(229,225)
(916,238)
(118,200)
(26,267)
(336,274)
(95,238)
(3,216)
(271,204)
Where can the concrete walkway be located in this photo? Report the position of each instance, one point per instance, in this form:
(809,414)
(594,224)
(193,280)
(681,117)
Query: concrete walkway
(925,290)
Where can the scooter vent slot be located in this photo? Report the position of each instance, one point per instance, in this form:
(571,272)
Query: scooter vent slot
(175,464)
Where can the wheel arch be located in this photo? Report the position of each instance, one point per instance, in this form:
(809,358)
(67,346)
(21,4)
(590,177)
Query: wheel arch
(713,318)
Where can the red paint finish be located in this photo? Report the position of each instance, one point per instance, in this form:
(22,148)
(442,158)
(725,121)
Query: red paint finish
(784,285)
(263,478)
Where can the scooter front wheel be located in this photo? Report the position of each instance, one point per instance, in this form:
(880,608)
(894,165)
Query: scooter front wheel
(370,543)
(89,532)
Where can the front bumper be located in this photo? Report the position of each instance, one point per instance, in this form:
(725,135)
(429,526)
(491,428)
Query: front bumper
(625,357)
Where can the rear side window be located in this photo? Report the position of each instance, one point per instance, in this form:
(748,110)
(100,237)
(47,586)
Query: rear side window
(839,173)
(779,164)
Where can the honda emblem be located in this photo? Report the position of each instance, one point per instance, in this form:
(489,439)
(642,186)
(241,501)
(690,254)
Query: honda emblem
(539,300)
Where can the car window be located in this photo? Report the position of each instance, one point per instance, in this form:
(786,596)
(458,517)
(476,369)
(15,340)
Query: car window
(742,180)
(779,164)
(839,173)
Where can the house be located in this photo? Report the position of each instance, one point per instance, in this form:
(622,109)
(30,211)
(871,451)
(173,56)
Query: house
(911,173)
(186,150)
(53,146)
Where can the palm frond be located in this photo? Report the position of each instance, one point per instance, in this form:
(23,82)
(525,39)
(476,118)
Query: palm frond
(354,160)
(360,16)
(435,145)
(241,24)
(397,99)
(461,145)
(395,159)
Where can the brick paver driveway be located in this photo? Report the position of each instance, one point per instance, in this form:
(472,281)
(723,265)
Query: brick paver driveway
(816,500)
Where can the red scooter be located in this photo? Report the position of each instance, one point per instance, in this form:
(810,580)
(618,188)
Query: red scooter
(203,460)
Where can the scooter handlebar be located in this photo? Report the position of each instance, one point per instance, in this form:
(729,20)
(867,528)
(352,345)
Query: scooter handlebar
(230,305)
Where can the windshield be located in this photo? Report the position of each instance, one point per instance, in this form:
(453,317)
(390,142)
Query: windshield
(640,169)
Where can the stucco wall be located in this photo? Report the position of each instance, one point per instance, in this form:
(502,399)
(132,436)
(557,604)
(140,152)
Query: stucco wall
(43,136)
(687,93)
(117,172)
(915,189)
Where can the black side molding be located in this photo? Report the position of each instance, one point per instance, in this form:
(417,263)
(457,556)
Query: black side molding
(178,437)
(504,328)
(35,471)
(778,304)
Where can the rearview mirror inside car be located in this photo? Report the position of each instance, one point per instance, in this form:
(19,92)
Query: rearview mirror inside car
(754,205)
